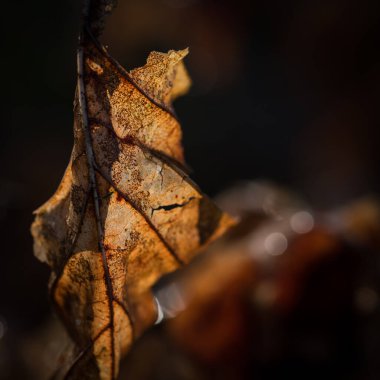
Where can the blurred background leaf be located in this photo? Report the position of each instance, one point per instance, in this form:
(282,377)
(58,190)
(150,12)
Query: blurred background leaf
(282,90)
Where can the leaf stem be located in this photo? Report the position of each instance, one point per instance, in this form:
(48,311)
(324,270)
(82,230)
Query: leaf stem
(94,13)
(95,192)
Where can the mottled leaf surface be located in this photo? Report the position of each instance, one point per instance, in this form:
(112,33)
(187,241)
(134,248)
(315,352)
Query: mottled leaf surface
(125,212)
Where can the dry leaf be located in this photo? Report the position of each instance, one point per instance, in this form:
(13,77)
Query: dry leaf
(125,212)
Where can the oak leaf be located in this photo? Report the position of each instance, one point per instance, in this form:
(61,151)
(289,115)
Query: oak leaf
(125,212)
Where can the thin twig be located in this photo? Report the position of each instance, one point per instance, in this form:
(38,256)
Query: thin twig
(94,13)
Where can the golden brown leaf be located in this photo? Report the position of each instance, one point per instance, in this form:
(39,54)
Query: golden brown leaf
(125,212)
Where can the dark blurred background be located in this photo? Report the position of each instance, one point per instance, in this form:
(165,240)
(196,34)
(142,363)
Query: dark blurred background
(284,90)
